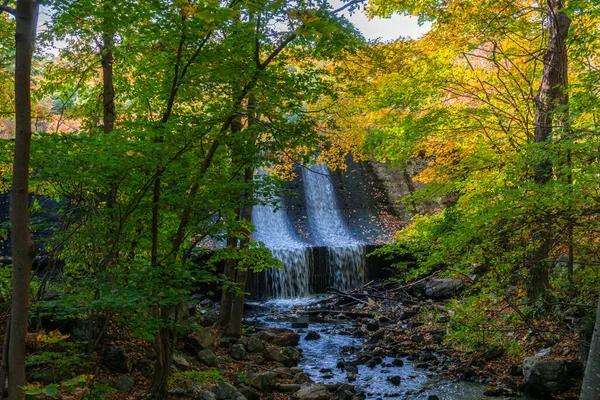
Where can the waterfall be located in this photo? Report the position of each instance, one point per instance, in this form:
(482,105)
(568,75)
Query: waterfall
(274,229)
(333,252)
(346,254)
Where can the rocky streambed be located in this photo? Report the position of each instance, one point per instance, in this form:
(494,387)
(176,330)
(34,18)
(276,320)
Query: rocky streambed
(351,353)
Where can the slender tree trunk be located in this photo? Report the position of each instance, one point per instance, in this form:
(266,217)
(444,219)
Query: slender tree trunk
(22,244)
(227,292)
(590,389)
(108,117)
(551,94)
(234,328)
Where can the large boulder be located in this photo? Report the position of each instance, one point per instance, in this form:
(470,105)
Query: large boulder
(546,376)
(313,392)
(264,381)
(254,345)
(238,352)
(200,339)
(279,337)
(116,360)
(443,288)
(208,358)
(226,391)
(287,356)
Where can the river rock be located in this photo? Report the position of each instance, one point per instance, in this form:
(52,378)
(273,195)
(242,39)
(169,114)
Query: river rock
(398,362)
(394,380)
(426,356)
(180,363)
(313,392)
(116,360)
(249,392)
(264,381)
(301,378)
(373,362)
(238,352)
(226,391)
(443,288)
(288,356)
(279,337)
(373,325)
(208,358)
(200,339)
(254,345)
(546,376)
(312,335)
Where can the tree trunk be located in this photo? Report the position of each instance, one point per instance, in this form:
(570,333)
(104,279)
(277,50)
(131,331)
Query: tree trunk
(227,292)
(552,93)
(22,244)
(234,328)
(108,117)
(590,389)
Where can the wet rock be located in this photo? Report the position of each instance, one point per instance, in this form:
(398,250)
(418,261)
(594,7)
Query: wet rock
(433,397)
(238,352)
(208,358)
(279,337)
(546,376)
(287,356)
(116,360)
(373,325)
(226,391)
(299,325)
(313,392)
(398,362)
(373,362)
(124,383)
(312,335)
(180,363)
(301,378)
(264,381)
(427,356)
(343,394)
(394,380)
(249,392)
(443,288)
(254,345)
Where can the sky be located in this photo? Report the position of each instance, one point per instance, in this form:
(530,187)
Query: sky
(385,28)
(376,28)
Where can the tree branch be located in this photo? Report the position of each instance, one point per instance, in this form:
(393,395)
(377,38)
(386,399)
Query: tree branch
(347,5)
(5,8)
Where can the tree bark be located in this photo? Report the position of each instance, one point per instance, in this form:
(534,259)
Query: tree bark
(234,328)
(551,94)
(108,116)
(590,389)
(22,244)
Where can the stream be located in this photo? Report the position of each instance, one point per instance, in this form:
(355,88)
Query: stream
(321,358)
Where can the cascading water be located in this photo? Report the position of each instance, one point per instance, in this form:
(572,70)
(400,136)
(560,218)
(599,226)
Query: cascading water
(346,253)
(274,229)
